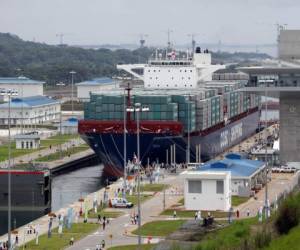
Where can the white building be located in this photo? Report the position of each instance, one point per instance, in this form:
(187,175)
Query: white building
(31,110)
(23,85)
(207,190)
(95,85)
(27,141)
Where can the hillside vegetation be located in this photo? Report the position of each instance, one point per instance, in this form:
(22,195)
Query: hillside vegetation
(53,63)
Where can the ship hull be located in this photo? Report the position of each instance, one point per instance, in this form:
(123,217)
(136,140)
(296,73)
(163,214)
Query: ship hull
(154,146)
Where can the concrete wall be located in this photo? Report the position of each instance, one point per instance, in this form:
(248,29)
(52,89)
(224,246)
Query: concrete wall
(289,44)
(289,128)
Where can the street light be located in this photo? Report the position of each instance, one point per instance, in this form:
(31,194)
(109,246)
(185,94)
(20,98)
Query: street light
(72,89)
(137,109)
(9,93)
(266,160)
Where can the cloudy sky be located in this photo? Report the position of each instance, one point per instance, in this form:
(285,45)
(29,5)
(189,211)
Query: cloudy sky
(121,21)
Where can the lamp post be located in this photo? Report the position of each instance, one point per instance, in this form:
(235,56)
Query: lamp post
(9,93)
(266,160)
(72,90)
(125,141)
(60,119)
(137,109)
(188,136)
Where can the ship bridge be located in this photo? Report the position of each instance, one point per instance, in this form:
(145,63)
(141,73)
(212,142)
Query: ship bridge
(282,83)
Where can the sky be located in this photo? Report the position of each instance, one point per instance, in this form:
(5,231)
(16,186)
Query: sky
(121,21)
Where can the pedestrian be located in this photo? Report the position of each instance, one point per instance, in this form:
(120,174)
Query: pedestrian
(174,214)
(103,243)
(103,224)
(248,212)
(50,146)
(135,219)
(71,242)
(132,219)
(196,215)
(237,214)
(17,239)
(99,217)
(199,215)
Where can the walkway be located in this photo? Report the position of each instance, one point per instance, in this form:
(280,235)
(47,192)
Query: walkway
(118,227)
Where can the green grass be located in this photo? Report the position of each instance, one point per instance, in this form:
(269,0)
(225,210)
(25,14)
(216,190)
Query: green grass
(153,187)
(237,200)
(191,213)
(77,231)
(57,155)
(14,152)
(229,237)
(57,140)
(54,140)
(290,241)
(160,228)
(134,198)
(107,214)
(133,247)
(181,201)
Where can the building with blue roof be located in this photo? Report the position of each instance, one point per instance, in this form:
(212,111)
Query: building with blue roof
(95,85)
(30,110)
(23,85)
(69,126)
(246,175)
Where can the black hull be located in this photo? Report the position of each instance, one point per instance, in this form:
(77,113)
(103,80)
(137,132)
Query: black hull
(154,146)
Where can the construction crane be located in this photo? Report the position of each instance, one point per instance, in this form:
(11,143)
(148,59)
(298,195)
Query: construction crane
(193,35)
(142,40)
(169,31)
(61,38)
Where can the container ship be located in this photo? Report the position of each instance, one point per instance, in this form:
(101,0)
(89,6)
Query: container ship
(189,117)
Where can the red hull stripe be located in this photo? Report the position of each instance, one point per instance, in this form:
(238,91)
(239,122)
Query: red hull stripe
(14,172)
(117,126)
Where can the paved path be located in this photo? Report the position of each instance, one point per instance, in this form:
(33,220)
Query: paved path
(279,184)
(119,226)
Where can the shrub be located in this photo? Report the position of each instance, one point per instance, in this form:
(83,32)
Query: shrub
(289,214)
(241,232)
(262,239)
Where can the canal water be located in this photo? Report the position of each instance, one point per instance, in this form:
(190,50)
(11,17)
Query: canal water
(69,187)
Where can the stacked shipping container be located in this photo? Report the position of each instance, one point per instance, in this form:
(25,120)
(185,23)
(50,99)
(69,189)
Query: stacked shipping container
(200,109)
